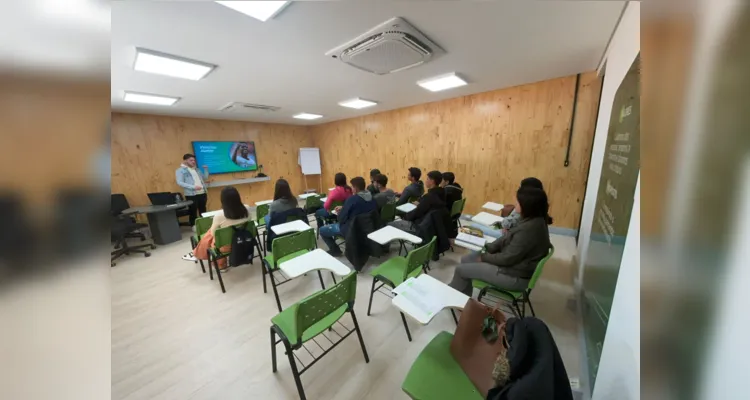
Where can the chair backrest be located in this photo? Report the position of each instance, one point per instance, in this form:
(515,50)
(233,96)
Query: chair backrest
(540,267)
(223,236)
(412,199)
(311,310)
(291,218)
(388,212)
(292,243)
(458,207)
(119,204)
(336,203)
(313,202)
(261,211)
(419,257)
(202,225)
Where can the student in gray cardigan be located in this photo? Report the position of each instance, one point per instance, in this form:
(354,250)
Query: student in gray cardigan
(414,189)
(510,261)
(515,217)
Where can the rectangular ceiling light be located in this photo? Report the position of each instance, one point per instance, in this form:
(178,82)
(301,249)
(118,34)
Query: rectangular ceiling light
(442,82)
(150,99)
(307,116)
(166,64)
(260,10)
(357,103)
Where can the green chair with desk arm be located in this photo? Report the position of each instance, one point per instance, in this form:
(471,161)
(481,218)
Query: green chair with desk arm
(285,248)
(312,204)
(260,220)
(223,237)
(202,225)
(515,297)
(311,318)
(396,270)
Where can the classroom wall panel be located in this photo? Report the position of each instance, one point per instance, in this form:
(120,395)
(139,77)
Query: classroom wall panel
(147,149)
(490,141)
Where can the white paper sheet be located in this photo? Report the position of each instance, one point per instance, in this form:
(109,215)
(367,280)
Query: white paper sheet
(406,207)
(475,240)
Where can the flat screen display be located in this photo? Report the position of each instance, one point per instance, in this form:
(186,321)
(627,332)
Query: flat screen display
(225,157)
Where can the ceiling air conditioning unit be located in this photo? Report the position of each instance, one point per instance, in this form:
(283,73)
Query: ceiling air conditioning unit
(247,107)
(392,46)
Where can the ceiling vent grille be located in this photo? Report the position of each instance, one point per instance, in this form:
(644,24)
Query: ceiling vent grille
(392,46)
(248,107)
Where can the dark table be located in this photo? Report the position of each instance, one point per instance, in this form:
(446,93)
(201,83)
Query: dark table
(162,220)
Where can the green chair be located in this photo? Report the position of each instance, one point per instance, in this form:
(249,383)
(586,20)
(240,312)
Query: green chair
(436,375)
(284,249)
(398,269)
(388,212)
(312,317)
(223,237)
(202,225)
(260,214)
(512,296)
(331,218)
(457,209)
(313,204)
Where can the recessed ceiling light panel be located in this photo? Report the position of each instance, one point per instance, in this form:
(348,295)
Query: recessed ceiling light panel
(146,98)
(358,103)
(166,64)
(307,116)
(260,10)
(442,82)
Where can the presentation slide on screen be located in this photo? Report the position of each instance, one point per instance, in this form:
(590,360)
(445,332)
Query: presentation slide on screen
(224,157)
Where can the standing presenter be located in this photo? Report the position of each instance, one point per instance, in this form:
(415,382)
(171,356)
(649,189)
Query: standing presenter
(193,182)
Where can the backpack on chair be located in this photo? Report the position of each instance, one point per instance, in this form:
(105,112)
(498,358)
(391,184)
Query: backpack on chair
(243,246)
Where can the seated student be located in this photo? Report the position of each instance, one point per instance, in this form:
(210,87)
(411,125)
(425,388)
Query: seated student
(384,195)
(453,191)
(283,199)
(434,199)
(359,203)
(511,260)
(339,193)
(233,212)
(414,189)
(515,216)
(372,188)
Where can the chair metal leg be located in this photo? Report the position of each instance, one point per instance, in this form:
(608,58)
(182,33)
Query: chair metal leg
(453,312)
(295,372)
(518,309)
(528,300)
(334,277)
(372,293)
(359,335)
(210,270)
(320,276)
(275,291)
(273,349)
(263,268)
(218,275)
(408,334)
(203,268)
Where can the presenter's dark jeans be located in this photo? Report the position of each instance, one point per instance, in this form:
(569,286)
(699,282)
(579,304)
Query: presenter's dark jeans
(198,207)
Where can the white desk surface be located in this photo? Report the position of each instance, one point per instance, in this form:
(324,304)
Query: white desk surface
(306,195)
(388,234)
(446,295)
(493,206)
(323,199)
(467,245)
(329,189)
(314,260)
(406,207)
(486,218)
(288,227)
(213,213)
(260,203)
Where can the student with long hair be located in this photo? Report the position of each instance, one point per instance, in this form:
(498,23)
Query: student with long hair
(283,199)
(515,216)
(340,193)
(233,212)
(510,261)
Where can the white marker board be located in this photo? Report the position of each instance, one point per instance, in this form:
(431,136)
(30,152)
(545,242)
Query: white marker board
(309,160)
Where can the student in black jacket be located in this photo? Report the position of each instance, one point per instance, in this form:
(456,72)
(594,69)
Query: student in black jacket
(434,199)
(453,191)
(372,188)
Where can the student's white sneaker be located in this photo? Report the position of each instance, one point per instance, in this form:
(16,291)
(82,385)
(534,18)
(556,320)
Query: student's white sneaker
(189,257)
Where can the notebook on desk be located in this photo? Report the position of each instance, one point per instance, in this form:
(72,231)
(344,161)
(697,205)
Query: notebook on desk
(406,207)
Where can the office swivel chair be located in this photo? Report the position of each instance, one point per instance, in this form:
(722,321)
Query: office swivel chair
(124,227)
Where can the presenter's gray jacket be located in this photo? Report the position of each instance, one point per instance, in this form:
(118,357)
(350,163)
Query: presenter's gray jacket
(185,179)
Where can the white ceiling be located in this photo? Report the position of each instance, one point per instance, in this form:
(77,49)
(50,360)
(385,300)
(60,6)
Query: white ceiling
(281,62)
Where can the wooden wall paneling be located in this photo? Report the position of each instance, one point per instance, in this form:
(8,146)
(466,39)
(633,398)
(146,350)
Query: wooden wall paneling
(147,149)
(490,141)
